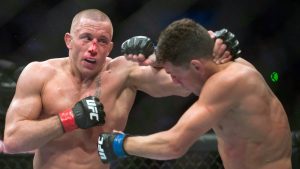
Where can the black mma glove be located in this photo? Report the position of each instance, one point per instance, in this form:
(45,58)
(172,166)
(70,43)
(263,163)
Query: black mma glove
(230,40)
(86,113)
(138,45)
(110,146)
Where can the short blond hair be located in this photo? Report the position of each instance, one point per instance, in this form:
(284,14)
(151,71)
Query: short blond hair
(93,14)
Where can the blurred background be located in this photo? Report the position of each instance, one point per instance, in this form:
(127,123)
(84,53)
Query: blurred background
(268,31)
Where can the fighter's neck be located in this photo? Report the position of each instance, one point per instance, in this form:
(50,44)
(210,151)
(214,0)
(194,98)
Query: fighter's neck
(213,68)
(223,66)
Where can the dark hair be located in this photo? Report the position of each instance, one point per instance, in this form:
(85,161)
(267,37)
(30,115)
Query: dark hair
(182,41)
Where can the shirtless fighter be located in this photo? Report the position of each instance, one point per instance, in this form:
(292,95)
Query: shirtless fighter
(249,121)
(61,105)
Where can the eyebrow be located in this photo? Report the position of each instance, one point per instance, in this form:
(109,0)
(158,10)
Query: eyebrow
(98,38)
(85,34)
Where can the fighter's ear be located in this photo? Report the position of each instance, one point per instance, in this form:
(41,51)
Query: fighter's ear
(68,39)
(196,65)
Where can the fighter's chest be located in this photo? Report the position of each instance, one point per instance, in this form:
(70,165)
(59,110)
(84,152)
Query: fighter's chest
(58,97)
(60,94)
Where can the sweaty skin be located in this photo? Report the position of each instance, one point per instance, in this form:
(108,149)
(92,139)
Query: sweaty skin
(248,119)
(46,88)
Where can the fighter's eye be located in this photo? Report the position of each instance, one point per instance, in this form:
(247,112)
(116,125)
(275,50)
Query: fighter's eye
(103,41)
(86,37)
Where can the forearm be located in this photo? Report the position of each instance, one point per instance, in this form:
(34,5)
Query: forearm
(159,146)
(157,83)
(28,135)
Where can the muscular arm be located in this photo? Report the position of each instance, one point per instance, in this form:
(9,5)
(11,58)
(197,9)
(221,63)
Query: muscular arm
(155,82)
(143,77)
(212,105)
(24,131)
(175,142)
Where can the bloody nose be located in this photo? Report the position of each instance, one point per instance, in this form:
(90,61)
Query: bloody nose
(93,48)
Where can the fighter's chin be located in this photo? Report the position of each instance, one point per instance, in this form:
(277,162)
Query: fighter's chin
(197,92)
(190,90)
(88,72)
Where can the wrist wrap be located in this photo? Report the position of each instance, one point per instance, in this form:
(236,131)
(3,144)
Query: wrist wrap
(67,120)
(118,145)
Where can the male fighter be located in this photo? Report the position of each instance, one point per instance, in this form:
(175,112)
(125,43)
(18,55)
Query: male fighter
(249,121)
(61,105)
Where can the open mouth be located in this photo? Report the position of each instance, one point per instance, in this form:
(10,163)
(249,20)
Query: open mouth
(92,61)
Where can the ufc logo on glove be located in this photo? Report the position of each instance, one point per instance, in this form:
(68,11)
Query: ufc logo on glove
(110,146)
(86,113)
(92,106)
(100,149)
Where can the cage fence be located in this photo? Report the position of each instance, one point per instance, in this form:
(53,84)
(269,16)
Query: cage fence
(202,155)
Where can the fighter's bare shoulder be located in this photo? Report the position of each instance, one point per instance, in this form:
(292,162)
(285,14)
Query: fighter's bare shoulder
(236,80)
(43,69)
(243,74)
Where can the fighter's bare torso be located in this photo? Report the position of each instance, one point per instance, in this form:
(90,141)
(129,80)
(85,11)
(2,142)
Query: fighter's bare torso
(246,133)
(61,91)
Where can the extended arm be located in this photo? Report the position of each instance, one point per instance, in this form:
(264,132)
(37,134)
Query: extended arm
(141,48)
(147,77)
(155,82)
(213,104)
(174,142)
(170,144)
(153,79)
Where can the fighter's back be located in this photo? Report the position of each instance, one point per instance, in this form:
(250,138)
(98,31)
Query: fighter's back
(255,133)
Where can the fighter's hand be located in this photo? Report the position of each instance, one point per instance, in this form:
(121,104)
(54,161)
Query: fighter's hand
(226,46)
(138,49)
(86,113)
(110,146)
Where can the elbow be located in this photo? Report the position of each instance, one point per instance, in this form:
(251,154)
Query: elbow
(10,146)
(176,150)
(2,147)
